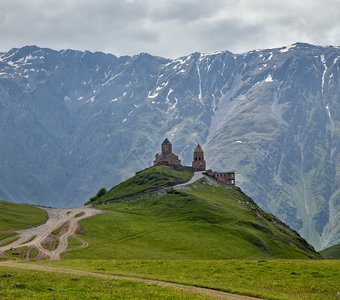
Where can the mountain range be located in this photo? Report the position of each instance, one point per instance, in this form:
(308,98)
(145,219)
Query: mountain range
(75,121)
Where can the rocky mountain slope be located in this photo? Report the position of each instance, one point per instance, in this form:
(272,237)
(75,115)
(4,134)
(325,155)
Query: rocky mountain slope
(75,121)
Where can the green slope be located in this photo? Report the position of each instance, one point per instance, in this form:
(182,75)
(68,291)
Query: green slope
(147,179)
(15,216)
(332,252)
(203,222)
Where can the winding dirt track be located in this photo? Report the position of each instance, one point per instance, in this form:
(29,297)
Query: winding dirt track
(192,289)
(36,236)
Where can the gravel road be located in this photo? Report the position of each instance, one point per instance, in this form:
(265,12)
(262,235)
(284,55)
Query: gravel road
(36,236)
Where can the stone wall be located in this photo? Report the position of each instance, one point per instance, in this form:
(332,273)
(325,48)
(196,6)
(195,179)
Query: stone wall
(227,178)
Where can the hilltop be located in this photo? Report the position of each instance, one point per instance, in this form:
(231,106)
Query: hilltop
(147,180)
(201,220)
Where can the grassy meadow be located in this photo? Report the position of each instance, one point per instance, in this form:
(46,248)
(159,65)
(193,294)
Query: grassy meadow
(26,284)
(268,279)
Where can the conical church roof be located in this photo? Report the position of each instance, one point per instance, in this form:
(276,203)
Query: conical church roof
(198,148)
(166,142)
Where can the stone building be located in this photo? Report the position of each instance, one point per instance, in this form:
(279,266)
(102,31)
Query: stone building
(225,177)
(166,157)
(198,164)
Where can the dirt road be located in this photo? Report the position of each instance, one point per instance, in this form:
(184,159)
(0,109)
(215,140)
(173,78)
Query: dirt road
(193,289)
(194,178)
(37,236)
(197,176)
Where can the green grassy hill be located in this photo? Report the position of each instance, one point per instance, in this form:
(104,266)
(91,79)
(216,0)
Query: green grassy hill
(332,252)
(200,222)
(15,216)
(151,178)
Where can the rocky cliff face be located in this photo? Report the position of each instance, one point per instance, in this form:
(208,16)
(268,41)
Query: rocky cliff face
(75,121)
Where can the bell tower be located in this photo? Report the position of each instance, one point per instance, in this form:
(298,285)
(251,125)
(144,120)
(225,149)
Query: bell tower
(166,147)
(198,164)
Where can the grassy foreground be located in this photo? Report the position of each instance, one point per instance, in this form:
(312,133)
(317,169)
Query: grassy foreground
(15,216)
(276,279)
(153,177)
(25,284)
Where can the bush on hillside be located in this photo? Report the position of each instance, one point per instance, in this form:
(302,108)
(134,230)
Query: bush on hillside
(102,191)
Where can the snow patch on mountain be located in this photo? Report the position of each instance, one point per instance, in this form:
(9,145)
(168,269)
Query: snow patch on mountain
(286,49)
(269,78)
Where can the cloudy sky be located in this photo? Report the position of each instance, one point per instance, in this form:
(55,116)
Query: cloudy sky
(169,28)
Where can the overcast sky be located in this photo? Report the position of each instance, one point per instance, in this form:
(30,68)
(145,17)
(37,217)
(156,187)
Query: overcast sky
(169,28)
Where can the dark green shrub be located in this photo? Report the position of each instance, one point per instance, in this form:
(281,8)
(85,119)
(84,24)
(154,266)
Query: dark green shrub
(101,192)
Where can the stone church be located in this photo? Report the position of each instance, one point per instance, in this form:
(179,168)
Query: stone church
(166,157)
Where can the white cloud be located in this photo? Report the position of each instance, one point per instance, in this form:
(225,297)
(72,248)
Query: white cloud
(167,28)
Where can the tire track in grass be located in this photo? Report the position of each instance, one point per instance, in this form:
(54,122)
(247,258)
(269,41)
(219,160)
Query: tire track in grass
(192,289)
